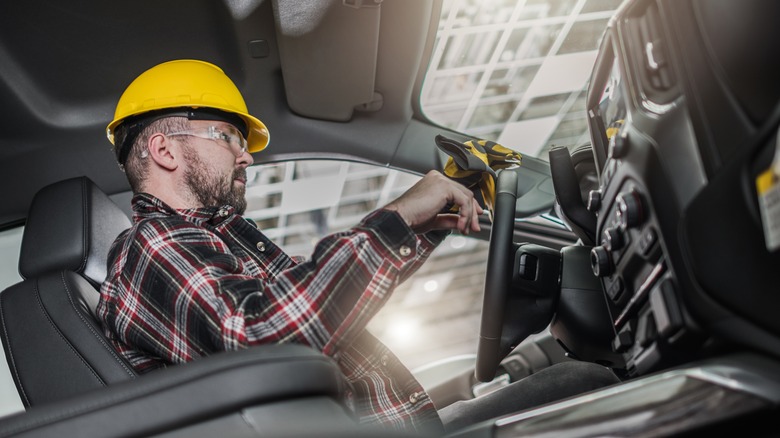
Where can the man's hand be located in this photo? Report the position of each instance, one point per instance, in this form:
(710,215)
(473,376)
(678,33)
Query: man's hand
(421,206)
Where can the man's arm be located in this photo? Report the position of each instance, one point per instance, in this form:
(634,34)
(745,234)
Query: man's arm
(182,294)
(188,295)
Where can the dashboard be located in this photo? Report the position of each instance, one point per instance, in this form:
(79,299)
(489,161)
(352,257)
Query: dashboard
(659,148)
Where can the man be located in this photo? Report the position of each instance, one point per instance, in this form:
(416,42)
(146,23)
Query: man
(192,277)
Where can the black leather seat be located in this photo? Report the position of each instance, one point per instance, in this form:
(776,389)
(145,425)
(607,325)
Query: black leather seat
(61,361)
(53,344)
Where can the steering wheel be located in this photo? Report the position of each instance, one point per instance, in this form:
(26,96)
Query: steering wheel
(498,277)
(521,285)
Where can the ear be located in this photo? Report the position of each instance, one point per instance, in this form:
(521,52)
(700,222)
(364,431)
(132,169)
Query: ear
(164,152)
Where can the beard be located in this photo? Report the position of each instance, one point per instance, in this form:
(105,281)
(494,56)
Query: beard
(212,189)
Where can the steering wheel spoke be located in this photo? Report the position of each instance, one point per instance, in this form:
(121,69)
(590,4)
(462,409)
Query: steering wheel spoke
(521,285)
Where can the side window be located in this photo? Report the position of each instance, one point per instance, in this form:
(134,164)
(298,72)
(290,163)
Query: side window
(435,313)
(10,244)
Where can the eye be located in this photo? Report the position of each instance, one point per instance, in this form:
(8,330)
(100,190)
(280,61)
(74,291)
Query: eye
(218,135)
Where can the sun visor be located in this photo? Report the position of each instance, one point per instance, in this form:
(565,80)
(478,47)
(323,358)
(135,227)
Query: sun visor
(328,52)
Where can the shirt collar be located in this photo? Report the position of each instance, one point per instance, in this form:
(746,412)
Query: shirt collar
(146,206)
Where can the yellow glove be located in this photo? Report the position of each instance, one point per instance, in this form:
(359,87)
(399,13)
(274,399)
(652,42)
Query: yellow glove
(474,165)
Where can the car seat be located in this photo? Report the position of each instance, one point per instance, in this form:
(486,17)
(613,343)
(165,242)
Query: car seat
(54,346)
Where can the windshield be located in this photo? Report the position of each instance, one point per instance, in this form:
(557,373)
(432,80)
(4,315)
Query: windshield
(514,71)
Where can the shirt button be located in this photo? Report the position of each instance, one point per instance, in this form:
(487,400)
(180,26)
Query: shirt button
(260,246)
(415,397)
(384,360)
(404,251)
(223,212)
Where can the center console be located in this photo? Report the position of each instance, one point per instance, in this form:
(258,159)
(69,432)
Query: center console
(641,132)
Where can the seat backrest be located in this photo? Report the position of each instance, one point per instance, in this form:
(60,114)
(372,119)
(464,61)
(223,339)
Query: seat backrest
(54,346)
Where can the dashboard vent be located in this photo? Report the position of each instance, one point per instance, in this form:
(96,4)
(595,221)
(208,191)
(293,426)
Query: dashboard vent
(652,64)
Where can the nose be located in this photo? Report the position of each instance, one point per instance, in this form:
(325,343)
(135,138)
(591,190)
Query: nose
(245,159)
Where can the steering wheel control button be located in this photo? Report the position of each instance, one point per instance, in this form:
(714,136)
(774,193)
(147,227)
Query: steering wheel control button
(405,251)
(260,246)
(516,369)
(630,209)
(527,268)
(601,261)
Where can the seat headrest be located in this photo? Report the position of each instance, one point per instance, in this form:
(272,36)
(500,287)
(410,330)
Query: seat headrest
(70,226)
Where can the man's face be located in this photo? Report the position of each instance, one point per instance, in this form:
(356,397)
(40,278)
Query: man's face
(214,175)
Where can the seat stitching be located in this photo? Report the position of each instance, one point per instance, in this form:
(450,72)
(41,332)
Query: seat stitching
(64,339)
(86,225)
(11,354)
(91,329)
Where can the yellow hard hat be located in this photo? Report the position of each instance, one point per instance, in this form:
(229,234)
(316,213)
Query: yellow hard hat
(191,86)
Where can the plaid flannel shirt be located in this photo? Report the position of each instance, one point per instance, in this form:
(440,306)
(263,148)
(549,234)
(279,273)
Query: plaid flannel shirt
(185,283)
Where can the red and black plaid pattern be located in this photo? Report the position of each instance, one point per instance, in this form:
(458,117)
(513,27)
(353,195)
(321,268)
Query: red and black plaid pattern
(186,283)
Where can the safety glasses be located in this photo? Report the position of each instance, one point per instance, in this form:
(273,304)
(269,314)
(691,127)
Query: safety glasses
(229,138)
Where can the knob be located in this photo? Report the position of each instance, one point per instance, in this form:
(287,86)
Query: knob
(613,239)
(620,145)
(601,261)
(594,201)
(630,209)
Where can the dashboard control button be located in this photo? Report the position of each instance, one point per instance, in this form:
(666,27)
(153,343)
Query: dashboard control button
(645,330)
(614,239)
(601,261)
(616,288)
(609,171)
(623,341)
(630,209)
(647,241)
(666,310)
(619,145)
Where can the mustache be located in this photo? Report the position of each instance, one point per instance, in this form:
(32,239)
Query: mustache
(239,173)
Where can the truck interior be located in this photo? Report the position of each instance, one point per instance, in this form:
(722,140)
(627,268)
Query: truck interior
(640,232)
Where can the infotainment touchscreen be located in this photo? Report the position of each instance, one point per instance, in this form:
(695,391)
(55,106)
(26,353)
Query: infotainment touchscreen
(607,109)
(612,107)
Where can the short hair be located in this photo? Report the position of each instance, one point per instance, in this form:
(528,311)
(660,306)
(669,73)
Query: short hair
(136,167)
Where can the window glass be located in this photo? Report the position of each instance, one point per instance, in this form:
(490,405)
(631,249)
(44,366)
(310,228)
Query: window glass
(10,245)
(512,71)
(583,36)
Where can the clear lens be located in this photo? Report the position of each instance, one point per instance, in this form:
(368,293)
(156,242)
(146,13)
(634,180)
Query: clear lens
(230,138)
